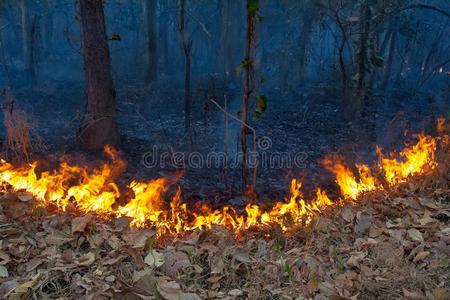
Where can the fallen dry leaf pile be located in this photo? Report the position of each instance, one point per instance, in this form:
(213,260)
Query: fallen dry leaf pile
(393,244)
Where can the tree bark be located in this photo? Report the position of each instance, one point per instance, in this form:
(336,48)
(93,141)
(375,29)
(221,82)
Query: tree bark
(149,14)
(305,38)
(47,30)
(186,44)
(249,67)
(361,93)
(163,40)
(99,126)
(390,61)
(27,39)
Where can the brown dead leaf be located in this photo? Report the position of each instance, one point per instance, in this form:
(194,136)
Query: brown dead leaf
(169,290)
(411,295)
(421,255)
(355,259)
(190,296)
(428,203)
(58,238)
(24,197)
(86,260)
(362,224)
(235,292)
(347,213)
(216,265)
(415,235)
(79,223)
(33,264)
(154,259)
(16,210)
(441,294)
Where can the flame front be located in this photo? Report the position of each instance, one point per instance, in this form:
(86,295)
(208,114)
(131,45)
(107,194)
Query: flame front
(95,190)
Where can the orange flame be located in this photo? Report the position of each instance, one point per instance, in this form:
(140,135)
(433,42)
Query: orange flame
(349,185)
(95,190)
(413,160)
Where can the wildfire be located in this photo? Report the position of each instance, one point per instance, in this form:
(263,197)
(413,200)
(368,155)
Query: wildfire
(95,190)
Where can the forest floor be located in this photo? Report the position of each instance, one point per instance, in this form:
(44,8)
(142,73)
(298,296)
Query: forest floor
(391,244)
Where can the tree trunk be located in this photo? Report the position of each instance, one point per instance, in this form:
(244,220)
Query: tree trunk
(47,28)
(99,126)
(149,14)
(26,39)
(390,61)
(249,68)
(226,50)
(305,38)
(186,44)
(361,93)
(163,40)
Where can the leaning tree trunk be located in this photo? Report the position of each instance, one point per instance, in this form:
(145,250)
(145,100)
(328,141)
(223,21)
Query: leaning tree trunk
(186,44)
(249,68)
(149,13)
(99,126)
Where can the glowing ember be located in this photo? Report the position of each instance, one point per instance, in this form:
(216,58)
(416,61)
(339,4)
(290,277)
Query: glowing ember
(95,190)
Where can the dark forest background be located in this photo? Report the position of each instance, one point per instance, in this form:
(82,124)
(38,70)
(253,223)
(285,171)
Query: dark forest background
(313,76)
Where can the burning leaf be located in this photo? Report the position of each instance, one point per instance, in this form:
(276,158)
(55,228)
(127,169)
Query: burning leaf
(154,259)
(415,235)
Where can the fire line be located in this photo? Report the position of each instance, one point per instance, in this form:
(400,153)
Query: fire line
(94,190)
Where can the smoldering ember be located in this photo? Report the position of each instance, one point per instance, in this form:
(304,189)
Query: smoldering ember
(225,149)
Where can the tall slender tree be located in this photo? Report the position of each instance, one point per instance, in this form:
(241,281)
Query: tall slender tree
(27,39)
(99,126)
(186,44)
(149,13)
(249,74)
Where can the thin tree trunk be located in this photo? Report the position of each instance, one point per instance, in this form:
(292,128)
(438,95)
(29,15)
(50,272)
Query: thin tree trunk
(249,68)
(186,44)
(163,40)
(99,126)
(360,97)
(149,14)
(305,38)
(47,27)
(390,61)
(26,39)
